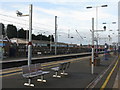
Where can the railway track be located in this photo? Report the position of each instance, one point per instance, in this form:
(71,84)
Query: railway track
(21,62)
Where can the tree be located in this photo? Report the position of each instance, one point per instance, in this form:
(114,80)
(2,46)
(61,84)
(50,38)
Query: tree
(52,38)
(2,29)
(33,37)
(21,33)
(11,31)
(45,38)
(39,37)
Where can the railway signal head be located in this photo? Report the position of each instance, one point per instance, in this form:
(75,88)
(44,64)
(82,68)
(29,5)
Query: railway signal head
(104,27)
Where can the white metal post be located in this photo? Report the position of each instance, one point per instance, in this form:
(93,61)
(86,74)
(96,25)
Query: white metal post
(97,20)
(55,35)
(97,28)
(50,43)
(119,28)
(30,35)
(69,39)
(92,66)
(96,17)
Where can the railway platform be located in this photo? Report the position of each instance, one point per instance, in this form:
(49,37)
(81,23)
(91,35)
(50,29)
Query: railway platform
(10,59)
(79,75)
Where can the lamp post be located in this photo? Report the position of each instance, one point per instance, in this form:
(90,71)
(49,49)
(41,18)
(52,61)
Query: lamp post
(55,35)
(93,39)
(30,32)
(30,39)
(92,61)
(96,13)
(109,36)
(96,17)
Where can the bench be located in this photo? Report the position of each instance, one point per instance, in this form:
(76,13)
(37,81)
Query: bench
(61,67)
(32,71)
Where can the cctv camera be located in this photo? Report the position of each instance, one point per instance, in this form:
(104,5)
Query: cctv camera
(18,13)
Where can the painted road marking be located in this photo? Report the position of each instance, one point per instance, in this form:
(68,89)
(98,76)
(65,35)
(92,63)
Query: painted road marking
(47,65)
(108,77)
(11,74)
(100,76)
(10,71)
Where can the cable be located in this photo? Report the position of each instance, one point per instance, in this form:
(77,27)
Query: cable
(23,19)
(12,17)
(79,34)
(34,27)
(22,25)
(13,22)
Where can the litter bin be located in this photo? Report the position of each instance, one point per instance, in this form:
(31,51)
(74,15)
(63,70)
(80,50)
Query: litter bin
(96,60)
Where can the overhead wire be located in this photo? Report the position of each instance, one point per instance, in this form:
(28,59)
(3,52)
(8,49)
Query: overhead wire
(25,24)
(79,34)
(23,19)
(22,24)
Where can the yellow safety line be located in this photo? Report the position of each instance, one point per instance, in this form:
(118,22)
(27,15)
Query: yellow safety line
(42,65)
(108,78)
(10,71)
(61,61)
(20,72)
(10,74)
(21,69)
(50,66)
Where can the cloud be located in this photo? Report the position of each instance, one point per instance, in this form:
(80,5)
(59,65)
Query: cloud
(74,19)
(68,18)
(50,11)
(59,1)
(74,14)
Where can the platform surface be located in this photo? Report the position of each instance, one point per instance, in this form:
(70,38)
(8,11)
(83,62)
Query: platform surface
(79,76)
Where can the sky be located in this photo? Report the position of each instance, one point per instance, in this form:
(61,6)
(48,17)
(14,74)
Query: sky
(73,19)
